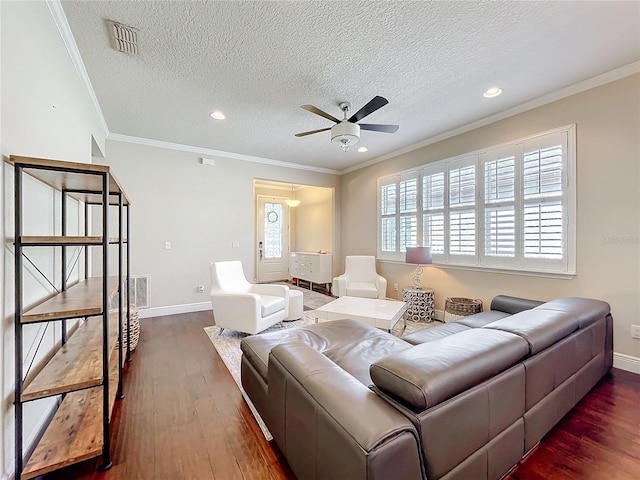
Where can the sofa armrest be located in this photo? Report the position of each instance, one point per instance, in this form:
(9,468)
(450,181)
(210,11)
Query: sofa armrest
(329,425)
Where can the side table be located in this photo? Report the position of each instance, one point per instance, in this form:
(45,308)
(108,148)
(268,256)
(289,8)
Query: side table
(420,304)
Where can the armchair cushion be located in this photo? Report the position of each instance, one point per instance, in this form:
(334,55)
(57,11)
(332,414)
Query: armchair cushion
(362,289)
(270,304)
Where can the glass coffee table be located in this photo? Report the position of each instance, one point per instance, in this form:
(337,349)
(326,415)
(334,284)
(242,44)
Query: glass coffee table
(372,311)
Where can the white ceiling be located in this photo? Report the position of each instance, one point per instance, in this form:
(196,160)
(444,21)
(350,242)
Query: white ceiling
(258,61)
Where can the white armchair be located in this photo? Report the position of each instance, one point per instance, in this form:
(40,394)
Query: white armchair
(242,306)
(360,279)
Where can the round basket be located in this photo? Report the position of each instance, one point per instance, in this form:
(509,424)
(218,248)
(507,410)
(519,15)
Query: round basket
(462,306)
(134,320)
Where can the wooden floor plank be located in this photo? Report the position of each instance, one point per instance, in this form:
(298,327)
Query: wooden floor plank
(184,415)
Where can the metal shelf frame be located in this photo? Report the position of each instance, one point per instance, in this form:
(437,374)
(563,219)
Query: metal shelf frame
(58,174)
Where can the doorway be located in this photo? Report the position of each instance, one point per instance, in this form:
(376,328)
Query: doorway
(307,225)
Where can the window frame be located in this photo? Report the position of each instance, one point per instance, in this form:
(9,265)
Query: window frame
(481,260)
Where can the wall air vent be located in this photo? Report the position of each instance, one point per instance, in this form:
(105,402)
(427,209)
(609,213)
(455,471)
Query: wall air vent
(125,39)
(139,291)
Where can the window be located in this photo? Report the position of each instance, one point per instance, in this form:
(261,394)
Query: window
(507,207)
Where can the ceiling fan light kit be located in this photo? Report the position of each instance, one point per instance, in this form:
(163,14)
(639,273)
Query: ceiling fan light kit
(346,132)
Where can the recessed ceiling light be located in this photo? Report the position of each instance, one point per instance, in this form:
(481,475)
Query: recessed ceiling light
(363,149)
(218,115)
(492,92)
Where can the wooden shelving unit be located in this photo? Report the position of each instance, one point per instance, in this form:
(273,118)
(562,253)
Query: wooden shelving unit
(85,373)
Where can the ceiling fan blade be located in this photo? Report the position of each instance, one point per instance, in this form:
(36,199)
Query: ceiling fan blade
(379,128)
(375,103)
(304,134)
(317,111)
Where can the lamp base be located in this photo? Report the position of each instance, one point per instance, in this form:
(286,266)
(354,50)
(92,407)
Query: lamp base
(416,278)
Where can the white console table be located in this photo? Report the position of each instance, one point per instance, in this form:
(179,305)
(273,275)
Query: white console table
(311,267)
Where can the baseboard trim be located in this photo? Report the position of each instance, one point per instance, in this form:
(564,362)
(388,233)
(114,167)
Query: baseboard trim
(626,362)
(173,309)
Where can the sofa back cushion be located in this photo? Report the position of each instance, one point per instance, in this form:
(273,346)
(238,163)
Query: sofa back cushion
(427,374)
(541,328)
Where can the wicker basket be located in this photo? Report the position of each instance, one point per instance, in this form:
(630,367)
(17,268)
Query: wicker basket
(462,307)
(135,328)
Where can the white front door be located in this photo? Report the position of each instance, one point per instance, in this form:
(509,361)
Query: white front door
(273,239)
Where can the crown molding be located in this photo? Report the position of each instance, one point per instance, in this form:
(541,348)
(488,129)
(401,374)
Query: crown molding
(55,7)
(65,31)
(579,87)
(216,153)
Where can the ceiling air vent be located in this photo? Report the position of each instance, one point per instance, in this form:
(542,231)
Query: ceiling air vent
(125,39)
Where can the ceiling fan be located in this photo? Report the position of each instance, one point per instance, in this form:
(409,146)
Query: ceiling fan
(346,132)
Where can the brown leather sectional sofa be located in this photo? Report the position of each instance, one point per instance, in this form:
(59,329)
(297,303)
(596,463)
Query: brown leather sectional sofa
(463,400)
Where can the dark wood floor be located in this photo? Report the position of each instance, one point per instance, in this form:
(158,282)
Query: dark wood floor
(184,418)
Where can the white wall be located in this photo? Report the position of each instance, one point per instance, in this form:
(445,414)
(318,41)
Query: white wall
(608,231)
(314,229)
(45,113)
(200,209)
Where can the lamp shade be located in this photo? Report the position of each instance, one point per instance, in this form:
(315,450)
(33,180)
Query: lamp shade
(418,255)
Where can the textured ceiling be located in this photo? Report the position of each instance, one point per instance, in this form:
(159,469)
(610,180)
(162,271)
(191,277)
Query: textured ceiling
(258,61)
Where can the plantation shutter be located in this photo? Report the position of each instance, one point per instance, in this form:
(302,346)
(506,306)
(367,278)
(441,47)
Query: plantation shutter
(462,207)
(433,200)
(408,211)
(499,176)
(388,208)
(544,201)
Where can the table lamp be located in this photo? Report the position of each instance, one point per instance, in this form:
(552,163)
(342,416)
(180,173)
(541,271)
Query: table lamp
(418,256)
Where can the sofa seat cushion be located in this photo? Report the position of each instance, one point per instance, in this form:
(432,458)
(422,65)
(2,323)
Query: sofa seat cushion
(433,372)
(362,289)
(540,327)
(434,333)
(270,304)
(350,344)
(481,319)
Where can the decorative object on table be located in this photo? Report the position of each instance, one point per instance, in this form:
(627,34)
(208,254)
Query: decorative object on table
(420,304)
(418,256)
(461,307)
(360,279)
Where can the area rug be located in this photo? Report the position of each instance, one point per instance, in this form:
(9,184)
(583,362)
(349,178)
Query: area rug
(227,344)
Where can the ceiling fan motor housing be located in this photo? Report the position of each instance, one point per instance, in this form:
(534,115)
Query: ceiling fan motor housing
(345,131)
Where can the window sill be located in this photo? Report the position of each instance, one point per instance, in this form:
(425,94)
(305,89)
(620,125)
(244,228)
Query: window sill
(504,271)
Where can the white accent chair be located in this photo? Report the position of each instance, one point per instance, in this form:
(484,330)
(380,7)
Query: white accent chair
(242,306)
(360,279)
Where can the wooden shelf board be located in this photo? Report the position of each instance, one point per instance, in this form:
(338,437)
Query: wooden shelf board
(74,434)
(78,176)
(61,240)
(55,240)
(77,365)
(81,300)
